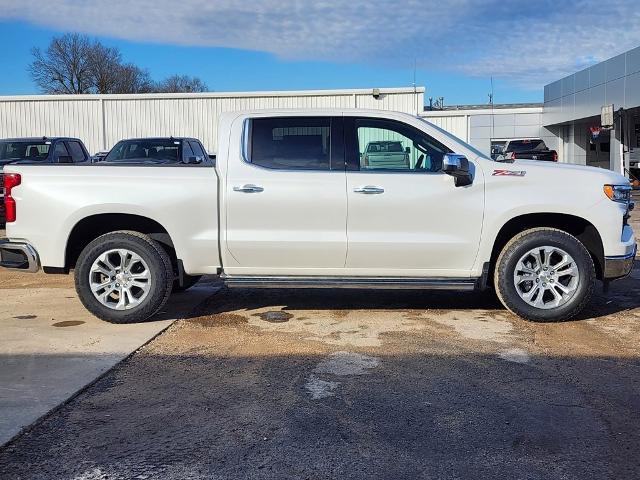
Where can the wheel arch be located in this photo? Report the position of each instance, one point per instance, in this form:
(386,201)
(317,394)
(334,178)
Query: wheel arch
(91,227)
(579,227)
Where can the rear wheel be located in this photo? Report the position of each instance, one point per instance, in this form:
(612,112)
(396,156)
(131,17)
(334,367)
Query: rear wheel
(123,277)
(544,274)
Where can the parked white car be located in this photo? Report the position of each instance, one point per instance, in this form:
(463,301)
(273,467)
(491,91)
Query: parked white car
(289,204)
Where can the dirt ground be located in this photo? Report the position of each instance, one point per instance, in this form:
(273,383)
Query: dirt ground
(356,384)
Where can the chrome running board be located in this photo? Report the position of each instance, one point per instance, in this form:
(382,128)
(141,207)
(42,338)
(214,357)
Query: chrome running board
(350,282)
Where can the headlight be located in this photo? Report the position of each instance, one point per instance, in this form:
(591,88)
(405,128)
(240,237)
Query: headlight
(618,193)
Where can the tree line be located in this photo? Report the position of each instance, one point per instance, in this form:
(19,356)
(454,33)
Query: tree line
(76,64)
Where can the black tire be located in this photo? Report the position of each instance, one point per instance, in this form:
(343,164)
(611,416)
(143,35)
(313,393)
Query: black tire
(188,281)
(523,243)
(160,269)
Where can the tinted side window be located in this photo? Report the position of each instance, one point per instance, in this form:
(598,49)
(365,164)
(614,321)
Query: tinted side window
(301,143)
(60,151)
(197,149)
(187,152)
(77,153)
(390,145)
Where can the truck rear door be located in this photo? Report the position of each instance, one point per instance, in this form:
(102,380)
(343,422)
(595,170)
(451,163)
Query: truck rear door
(286,203)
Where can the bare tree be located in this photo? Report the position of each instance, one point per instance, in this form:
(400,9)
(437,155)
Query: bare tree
(133,79)
(65,67)
(104,66)
(181,84)
(74,63)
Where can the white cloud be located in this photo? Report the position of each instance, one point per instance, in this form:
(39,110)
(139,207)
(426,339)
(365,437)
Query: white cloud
(528,43)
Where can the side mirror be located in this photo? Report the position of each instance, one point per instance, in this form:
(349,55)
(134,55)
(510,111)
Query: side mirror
(65,159)
(194,160)
(407,150)
(458,167)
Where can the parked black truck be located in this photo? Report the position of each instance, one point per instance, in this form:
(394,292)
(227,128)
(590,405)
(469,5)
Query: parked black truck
(528,149)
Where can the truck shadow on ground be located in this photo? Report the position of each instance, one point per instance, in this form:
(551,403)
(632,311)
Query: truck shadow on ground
(621,297)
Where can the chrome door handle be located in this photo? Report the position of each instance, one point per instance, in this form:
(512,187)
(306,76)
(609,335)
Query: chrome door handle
(369,189)
(249,188)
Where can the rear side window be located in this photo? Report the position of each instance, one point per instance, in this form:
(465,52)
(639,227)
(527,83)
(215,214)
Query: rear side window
(187,152)
(297,143)
(76,151)
(197,149)
(60,150)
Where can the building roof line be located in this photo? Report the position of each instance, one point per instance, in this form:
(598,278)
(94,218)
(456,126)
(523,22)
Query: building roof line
(253,94)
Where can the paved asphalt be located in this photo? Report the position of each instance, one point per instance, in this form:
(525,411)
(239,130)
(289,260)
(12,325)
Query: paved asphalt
(280,384)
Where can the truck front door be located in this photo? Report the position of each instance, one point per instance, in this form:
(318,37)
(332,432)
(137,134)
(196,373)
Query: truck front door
(286,198)
(407,220)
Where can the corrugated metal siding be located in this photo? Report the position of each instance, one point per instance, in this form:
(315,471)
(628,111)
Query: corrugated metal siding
(101,120)
(457,125)
(80,118)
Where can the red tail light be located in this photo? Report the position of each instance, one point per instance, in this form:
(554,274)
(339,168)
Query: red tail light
(555,156)
(10,180)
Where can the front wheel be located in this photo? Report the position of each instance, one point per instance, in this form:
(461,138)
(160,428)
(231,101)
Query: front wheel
(123,277)
(544,274)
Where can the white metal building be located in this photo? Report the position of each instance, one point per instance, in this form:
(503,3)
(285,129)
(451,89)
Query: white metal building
(485,127)
(101,120)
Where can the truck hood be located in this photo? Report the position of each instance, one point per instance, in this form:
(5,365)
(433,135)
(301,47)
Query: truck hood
(555,172)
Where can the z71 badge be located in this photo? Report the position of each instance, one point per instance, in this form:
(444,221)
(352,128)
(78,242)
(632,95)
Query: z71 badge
(509,173)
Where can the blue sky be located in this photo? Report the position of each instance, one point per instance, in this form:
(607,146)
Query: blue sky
(296,44)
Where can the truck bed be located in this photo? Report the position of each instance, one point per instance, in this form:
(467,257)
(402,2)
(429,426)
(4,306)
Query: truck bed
(52,200)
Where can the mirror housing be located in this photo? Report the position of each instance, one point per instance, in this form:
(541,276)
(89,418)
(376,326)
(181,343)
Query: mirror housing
(458,167)
(407,150)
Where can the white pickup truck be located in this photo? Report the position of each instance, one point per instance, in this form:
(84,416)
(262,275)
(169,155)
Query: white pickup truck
(287,203)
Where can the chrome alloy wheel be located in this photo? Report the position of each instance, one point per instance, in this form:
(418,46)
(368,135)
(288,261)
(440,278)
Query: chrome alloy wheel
(546,277)
(120,279)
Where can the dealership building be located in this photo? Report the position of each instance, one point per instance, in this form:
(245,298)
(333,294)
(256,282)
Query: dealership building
(569,121)
(573,106)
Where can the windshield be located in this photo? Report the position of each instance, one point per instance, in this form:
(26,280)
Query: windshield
(22,150)
(145,150)
(524,145)
(385,147)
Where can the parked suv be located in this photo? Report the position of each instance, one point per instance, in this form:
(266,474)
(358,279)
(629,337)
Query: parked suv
(38,150)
